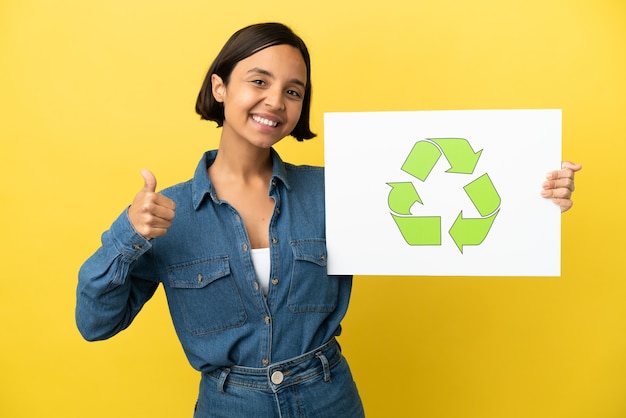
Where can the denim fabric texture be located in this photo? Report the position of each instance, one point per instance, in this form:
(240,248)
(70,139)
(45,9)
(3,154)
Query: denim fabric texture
(318,384)
(203,262)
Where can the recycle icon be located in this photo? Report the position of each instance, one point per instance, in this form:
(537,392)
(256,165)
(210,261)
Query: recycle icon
(426,230)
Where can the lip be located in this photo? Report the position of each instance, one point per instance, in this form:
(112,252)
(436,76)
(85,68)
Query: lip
(266,120)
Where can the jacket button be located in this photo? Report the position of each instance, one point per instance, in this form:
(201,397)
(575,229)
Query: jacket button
(277,377)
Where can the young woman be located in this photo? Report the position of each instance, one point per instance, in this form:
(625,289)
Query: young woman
(240,248)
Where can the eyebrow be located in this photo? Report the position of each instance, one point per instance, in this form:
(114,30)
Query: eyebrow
(258,70)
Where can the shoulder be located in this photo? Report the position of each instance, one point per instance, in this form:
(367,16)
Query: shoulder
(307,176)
(179,190)
(305,170)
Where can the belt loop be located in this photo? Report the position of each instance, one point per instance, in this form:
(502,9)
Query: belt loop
(325,365)
(222,380)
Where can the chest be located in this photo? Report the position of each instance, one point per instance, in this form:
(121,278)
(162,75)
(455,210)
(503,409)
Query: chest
(255,208)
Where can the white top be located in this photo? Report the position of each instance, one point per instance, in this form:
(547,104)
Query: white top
(261,263)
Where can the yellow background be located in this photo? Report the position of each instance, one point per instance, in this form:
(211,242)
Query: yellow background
(92,92)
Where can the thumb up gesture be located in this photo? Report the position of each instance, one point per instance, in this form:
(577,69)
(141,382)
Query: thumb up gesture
(151,213)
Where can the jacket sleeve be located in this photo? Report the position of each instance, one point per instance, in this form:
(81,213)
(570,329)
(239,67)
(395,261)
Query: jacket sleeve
(115,282)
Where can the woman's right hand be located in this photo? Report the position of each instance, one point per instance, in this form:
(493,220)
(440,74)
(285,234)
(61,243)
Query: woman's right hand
(151,213)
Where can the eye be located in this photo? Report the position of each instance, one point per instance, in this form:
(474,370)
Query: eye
(294,93)
(258,82)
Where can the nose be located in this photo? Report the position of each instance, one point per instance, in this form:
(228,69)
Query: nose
(275,99)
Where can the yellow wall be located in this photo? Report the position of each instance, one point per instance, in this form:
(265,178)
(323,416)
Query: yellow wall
(92,92)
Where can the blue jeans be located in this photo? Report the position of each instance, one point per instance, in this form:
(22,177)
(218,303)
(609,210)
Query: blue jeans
(317,384)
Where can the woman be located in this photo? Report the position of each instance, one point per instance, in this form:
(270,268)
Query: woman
(243,263)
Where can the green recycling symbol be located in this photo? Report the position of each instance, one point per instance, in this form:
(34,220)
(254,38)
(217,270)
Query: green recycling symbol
(426,230)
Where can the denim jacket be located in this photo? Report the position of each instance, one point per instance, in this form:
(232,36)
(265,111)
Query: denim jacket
(218,308)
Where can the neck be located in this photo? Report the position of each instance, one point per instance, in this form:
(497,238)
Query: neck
(243,161)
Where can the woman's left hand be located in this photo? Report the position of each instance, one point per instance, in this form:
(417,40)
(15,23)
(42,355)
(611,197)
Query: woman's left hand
(559,185)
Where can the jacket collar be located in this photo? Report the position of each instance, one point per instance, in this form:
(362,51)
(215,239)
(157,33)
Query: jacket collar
(201,185)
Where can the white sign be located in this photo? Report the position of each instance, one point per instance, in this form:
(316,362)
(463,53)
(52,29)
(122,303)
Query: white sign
(442,193)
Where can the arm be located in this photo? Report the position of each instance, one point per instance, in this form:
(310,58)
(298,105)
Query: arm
(108,295)
(116,281)
(559,185)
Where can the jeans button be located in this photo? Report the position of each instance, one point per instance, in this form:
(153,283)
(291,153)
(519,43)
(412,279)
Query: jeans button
(277,377)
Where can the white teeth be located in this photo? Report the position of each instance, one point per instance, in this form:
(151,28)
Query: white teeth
(264,121)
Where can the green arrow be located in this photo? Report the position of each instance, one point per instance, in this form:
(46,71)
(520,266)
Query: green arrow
(421,159)
(402,196)
(483,195)
(459,154)
(419,230)
(470,231)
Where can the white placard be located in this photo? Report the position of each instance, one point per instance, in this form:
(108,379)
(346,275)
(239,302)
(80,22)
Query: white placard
(478,175)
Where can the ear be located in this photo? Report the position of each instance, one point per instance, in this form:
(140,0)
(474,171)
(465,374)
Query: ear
(218,88)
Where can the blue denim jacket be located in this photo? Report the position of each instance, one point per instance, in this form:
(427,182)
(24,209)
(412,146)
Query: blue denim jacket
(219,311)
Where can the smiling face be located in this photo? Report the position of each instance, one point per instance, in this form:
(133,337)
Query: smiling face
(264,96)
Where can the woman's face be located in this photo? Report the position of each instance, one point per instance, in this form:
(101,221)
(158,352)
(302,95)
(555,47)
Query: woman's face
(264,96)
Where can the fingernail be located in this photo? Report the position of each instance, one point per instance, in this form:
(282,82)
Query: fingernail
(545,193)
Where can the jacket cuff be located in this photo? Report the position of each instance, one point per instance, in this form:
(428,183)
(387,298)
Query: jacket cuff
(126,239)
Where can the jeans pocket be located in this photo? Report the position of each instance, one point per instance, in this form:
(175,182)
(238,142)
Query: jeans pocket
(206,295)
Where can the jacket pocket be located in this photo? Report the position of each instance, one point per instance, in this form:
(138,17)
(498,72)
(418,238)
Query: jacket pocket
(311,289)
(208,299)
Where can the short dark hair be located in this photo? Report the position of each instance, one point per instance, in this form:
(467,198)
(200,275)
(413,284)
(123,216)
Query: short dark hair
(241,45)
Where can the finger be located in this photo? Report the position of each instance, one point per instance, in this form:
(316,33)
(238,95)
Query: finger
(571,166)
(560,193)
(560,174)
(151,220)
(149,181)
(164,201)
(156,222)
(158,232)
(153,207)
(151,213)
(563,183)
(162,211)
(567,171)
(564,204)
(151,232)
(150,186)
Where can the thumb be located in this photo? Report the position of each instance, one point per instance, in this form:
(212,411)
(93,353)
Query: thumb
(149,181)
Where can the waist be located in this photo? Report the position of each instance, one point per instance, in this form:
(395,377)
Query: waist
(281,374)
